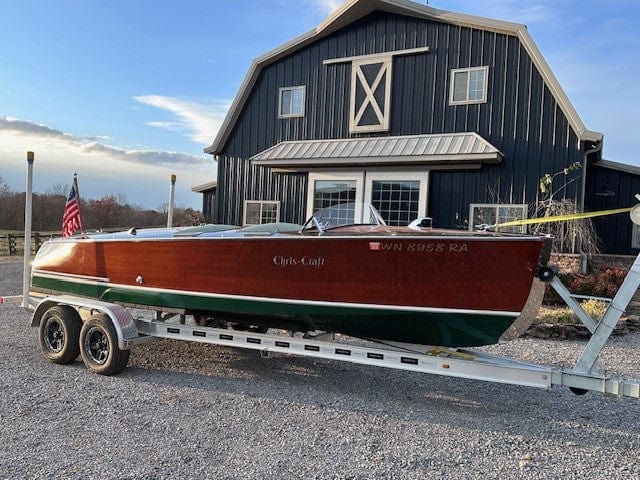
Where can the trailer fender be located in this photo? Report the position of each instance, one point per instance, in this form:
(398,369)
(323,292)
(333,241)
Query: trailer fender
(121,318)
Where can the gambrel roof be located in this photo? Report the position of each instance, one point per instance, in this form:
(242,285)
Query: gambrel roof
(353,10)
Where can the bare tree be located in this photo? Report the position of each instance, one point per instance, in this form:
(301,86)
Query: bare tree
(570,236)
(4,187)
(109,212)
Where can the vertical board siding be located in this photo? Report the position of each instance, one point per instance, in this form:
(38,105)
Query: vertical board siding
(608,189)
(521,117)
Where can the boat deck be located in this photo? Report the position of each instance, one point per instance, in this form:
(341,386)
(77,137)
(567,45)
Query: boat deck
(291,229)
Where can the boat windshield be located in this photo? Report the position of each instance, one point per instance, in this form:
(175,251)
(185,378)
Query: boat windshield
(343,214)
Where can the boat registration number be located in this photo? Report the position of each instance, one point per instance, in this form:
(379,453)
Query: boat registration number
(456,247)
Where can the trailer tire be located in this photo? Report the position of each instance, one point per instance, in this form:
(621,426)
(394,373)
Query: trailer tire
(99,346)
(578,391)
(60,334)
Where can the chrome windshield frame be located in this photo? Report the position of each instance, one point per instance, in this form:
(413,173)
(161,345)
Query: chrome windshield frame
(316,220)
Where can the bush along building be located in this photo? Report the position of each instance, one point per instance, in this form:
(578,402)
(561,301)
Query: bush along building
(416,110)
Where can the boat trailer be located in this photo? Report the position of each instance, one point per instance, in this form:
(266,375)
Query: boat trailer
(103,334)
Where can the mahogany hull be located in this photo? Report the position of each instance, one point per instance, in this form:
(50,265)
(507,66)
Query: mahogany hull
(450,291)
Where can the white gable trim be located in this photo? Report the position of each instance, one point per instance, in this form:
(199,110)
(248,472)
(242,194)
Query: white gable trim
(373,56)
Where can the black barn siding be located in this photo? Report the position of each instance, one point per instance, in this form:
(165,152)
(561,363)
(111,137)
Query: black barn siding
(607,189)
(521,116)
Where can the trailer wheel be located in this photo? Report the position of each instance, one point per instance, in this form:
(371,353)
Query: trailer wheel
(60,334)
(99,346)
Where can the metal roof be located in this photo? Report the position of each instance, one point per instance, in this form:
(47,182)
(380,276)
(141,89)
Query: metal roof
(440,149)
(353,10)
(621,167)
(205,187)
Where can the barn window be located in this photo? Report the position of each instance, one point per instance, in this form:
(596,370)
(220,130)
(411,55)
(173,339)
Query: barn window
(369,106)
(257,212)
(468,85)
(291,102)
(495,213)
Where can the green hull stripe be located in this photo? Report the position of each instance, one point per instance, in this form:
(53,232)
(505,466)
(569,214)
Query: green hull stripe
(453,328)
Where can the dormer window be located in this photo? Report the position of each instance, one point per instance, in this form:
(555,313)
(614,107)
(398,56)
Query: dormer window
(291,102)
(370,94)
(468,85)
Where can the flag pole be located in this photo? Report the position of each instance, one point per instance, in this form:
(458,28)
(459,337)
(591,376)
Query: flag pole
(172,189)
(26,272)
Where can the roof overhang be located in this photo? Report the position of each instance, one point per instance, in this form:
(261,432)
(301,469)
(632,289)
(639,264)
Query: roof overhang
(620,167)
(353,10)
(445,150)
(205,187)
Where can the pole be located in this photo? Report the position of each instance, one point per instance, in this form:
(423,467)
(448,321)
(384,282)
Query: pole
(172,190)
(26,272)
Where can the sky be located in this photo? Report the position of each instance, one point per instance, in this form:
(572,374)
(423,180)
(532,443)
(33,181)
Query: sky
(126,93)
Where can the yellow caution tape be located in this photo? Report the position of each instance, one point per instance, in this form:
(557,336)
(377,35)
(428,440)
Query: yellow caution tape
(562,218)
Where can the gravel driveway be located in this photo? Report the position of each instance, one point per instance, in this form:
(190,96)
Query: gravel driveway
(185,410)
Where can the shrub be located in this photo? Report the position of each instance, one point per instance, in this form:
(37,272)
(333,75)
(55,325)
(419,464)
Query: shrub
(602,284)
(595,308)
(551,297)
(556,315)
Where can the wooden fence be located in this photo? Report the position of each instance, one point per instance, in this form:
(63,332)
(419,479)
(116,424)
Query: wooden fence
(14,244)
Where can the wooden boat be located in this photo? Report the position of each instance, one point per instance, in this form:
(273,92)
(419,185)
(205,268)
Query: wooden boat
(404,284)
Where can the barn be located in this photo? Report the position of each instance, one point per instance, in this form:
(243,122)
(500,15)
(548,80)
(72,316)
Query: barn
(419,111)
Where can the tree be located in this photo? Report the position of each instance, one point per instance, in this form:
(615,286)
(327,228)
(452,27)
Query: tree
(570,236)
(4,187)
(61,189)
(184,217)
(109,212)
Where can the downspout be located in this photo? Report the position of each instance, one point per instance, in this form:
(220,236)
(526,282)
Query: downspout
(583,255)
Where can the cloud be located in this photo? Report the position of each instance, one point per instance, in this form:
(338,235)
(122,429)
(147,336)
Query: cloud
(24,127)
(173,126)
(201,122)
(151,157)
(142,175)
(90,146)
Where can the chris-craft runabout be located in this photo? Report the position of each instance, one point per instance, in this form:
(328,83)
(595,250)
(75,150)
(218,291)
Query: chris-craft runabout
(404,284)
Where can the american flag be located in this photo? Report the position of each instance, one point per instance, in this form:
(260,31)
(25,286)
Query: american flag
(71,221)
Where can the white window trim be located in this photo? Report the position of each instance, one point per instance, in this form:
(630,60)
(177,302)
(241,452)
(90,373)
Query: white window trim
(304,101)
(363,181)
(422,177)
(356,65)
(485,69)
(523,206)
(261,203)
(358,177)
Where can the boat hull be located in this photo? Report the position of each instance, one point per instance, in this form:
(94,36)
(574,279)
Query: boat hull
(450,291)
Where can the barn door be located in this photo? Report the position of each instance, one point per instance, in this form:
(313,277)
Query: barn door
(370,95)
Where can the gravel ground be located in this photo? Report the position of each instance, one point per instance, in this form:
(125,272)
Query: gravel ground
(185,410)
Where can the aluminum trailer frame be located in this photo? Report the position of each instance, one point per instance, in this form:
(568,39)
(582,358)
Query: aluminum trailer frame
(449,362)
